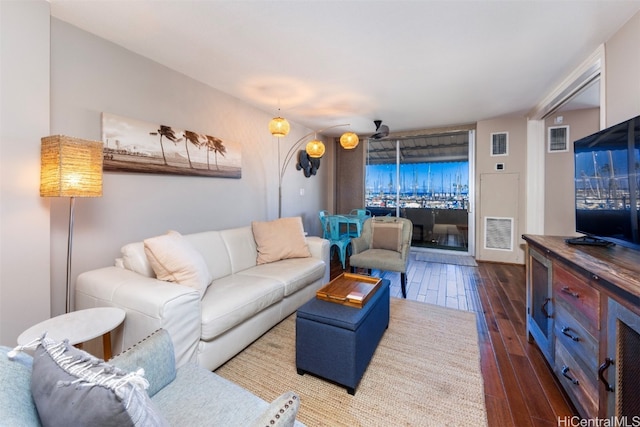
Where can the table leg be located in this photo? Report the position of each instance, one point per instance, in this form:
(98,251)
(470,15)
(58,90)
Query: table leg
(106,345)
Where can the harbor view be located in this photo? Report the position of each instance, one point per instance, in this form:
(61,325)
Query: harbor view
(442,185)
(602,180)
(433,195)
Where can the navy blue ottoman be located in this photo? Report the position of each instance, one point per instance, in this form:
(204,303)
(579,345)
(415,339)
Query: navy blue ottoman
(336,342)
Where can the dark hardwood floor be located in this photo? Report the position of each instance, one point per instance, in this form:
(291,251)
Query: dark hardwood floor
(520,389)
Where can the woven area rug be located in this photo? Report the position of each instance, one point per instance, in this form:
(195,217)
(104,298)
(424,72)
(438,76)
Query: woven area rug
(425,372)
(446,258)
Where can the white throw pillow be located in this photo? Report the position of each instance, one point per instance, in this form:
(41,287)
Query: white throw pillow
(174,259)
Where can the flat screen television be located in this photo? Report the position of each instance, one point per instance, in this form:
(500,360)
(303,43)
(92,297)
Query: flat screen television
(607,185)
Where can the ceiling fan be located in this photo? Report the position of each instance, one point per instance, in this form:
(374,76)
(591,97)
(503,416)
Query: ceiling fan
(382,131)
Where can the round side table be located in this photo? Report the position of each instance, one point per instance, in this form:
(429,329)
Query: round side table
(78,327)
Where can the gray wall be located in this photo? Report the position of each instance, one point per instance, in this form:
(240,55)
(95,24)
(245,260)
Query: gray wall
(89,76)
(24,215)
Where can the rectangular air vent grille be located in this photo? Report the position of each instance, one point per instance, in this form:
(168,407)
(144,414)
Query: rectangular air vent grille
(498,233)
(558,139)
(499,144)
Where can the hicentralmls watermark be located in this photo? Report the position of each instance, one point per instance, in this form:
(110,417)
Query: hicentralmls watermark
(576,421)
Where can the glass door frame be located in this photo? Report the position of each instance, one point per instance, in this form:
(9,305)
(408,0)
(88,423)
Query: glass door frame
(470,250)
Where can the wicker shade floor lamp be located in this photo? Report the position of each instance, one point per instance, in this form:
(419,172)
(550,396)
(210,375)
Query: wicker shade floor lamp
(70,167)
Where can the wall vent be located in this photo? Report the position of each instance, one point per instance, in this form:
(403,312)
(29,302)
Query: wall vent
(498,233)
(500,144)
(558,139)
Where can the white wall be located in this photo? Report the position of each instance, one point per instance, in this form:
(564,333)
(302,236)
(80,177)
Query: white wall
(89,76)
(501,193)
(24,119)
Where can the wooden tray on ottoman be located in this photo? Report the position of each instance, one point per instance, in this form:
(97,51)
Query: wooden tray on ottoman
(353,290)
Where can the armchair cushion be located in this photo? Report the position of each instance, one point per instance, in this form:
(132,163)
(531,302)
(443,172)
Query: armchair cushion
(386,235)
(174,259)
(366,255)
(18,408)
(155,355)
(280,239)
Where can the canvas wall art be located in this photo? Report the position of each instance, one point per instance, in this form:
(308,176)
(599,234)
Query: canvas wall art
(136,146)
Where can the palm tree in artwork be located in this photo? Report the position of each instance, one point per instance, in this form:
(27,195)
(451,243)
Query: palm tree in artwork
(168,133)
(217,146)
(191,137)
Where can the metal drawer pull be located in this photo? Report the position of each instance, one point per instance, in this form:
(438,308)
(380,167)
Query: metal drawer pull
(566,332)
(544,308)
(565,373)
(567,290)
(605,365)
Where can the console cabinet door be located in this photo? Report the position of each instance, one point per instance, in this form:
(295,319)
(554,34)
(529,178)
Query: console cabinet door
(539,302)
(620,371)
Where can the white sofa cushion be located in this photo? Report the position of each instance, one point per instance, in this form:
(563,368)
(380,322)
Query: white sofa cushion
(231,300)
(134,259)
(174,259)
(241,247)
(294,273)
(214,251)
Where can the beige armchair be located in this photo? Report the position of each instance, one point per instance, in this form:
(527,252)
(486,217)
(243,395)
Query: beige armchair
(383,245)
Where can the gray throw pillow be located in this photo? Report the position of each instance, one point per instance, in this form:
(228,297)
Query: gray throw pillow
(386,235)
(70,387)
(280,413)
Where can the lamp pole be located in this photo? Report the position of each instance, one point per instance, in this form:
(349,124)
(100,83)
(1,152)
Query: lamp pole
(72,202)
(287,160)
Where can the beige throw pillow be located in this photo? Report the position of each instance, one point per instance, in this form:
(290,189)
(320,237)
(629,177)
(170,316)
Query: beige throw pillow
(280,239)
(386,235)
(174,259)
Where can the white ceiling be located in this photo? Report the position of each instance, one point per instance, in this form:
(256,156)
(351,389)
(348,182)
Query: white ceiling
(413,64)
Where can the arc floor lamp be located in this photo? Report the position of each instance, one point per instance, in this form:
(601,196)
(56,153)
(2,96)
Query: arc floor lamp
(314,148)
(70,167)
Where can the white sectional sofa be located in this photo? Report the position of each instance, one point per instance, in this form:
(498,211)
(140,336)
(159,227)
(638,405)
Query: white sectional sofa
(243,301)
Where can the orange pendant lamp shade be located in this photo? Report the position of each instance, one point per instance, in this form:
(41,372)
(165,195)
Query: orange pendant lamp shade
(349,140)
(315,148)
(279,127)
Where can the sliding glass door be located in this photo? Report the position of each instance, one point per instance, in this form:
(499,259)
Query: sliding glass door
(425,179)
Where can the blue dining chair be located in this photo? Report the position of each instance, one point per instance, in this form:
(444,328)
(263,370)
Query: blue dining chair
(323,222)
(338,239)
(362,215)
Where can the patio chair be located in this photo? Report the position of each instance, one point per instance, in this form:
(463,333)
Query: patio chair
(336,238)
(323,221)
(384,245)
